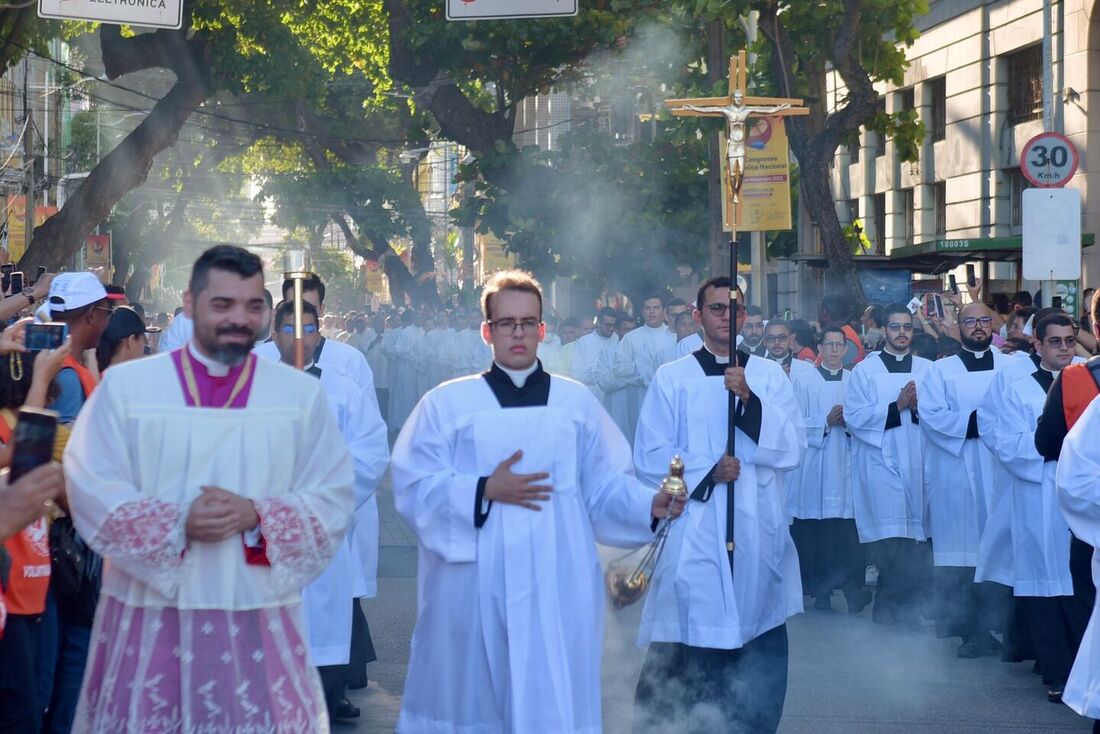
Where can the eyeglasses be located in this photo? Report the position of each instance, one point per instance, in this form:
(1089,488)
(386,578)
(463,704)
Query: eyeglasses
(108,309)
(306,328)
(776,338)
(832,345)
(895,326)
(1059,342)
(970,321)
(508,326)
(720,309)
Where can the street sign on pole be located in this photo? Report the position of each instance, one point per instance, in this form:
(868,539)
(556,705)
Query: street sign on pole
(1052,234)
(1049,160)
(509,9)
(148,13)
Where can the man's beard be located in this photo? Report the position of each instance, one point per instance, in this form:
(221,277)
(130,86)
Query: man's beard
(230,355)
(976,345)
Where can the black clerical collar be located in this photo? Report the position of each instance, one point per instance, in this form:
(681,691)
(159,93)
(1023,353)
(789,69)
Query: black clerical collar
(535,391)
(781,362)
(320,346)
(710,364)
(1036,360)
(829,375)
(1044,377)
(894,363)
(975,362)
(757,351)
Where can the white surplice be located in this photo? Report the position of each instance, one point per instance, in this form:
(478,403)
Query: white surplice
(176,335)
(693,598)
(622,404)
(640,353)
(195,614)
(333,357)
(549,353)
(824,479)
(509,627)
(995,548)
(585,368)
(327,601)
(1078,481)
(889,495)
(1037,536)
(689,344)
(960,475)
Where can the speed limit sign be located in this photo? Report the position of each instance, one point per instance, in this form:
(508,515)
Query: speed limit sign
(1049,160)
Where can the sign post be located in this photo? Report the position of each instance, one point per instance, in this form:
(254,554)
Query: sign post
(1051,213)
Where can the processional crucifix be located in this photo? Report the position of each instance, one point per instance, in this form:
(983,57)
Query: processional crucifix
(737,108)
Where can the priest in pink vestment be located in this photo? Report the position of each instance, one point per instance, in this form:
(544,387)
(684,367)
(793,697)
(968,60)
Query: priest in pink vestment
(216,486)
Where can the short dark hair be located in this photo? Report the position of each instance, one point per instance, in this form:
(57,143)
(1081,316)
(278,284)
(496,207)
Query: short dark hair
(654,294)
(718,281)
(896,308)
(1022,298)
(605,312)
(1019,344)
(878,318)
(676,302)
(778,322)
(223,257)
(312,283)
(947,346)
(753,311)
(1054,319)
(286,311)
(831,330)
(509,280)
(622,318)
(924,345)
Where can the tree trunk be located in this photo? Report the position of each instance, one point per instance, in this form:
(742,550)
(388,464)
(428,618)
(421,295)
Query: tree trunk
(817,195)
(127,166)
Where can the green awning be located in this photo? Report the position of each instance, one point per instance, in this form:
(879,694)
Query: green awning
(937,256)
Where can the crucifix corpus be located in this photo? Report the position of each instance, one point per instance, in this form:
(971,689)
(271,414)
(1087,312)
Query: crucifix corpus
(737,108)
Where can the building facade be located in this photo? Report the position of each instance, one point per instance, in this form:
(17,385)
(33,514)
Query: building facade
(975,78)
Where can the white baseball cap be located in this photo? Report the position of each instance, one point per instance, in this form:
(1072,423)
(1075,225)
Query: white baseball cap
(70,291)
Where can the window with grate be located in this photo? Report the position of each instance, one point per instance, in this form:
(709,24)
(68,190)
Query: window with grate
(939,199)
(909,211)
(880,138)
(880,224)
(1025,85)
(937,93)
(907,99)
(1016,186)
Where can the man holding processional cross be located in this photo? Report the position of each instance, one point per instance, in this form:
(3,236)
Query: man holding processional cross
(715,617)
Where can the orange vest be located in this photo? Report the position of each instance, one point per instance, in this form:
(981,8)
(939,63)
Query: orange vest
(1079,387)
(30,555)
(87,379)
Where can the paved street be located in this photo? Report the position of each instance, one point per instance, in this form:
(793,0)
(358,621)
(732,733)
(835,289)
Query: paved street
(846,673)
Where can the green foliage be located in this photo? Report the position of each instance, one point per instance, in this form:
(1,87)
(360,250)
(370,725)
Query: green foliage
(345,284)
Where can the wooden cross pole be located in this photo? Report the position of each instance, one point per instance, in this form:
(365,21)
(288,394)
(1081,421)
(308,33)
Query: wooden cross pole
(737,107)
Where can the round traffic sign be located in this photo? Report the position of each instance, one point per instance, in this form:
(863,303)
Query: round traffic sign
(1049,160)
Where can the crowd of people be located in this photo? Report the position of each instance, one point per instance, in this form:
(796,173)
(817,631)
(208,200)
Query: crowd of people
(198,563)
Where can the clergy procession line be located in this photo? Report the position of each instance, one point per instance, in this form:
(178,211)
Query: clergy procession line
(231,498)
